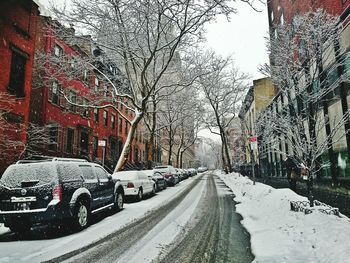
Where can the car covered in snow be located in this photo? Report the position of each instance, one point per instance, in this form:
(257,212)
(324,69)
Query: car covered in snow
(169,173)
(158,178)
(136,183)
(55,190)
(202,169)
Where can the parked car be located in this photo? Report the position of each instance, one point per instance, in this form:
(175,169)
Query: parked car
(180,173)
(186,173)
(158,178)
(52,189)
(192,171)
(136,183)
(169,173)
(202,169)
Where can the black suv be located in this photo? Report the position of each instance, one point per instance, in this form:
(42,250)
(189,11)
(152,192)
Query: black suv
(52,190)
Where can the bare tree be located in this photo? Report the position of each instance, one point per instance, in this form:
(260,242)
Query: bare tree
(303,59)
(17,140)
(143,37)
(223,87)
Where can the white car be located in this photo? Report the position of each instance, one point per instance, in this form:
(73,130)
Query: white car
(136,183)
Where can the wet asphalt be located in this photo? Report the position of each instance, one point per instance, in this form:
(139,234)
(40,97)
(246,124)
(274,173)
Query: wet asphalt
(218,235)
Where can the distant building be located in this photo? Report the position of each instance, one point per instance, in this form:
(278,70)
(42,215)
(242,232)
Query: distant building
(77,131)
(259,96)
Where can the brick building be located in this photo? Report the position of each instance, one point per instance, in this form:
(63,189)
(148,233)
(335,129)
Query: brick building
(336,67)
(76,131)
(18,23)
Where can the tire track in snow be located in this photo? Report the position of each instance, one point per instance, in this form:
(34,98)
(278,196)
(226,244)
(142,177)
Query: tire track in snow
(114,245)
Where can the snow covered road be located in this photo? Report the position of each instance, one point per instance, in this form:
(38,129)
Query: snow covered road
(194,221)
(42,245)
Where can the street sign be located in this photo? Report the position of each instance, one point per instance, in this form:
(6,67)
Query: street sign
(253,139)
(102,143)
(253,143)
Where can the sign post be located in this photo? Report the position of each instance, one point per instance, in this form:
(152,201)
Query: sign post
(102,143)
(253,146)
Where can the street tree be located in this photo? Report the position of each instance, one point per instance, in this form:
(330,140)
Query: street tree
(223,87)
(17,139)
(143,38)
(305,56)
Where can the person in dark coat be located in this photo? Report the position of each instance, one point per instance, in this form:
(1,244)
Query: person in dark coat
(291,170)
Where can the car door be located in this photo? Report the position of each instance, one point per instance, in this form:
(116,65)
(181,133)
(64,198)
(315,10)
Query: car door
(91,183)
(144,181)
(106,186)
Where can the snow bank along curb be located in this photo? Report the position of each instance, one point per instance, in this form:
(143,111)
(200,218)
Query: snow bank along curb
(281,235)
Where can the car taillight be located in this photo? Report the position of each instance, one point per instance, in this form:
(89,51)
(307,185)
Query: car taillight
(57,192)
(130,185)
(167,175)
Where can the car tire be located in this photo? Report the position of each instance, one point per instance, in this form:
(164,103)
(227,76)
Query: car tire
(20,227)
(154,190)
(81,216)
(139,195)
(118,201)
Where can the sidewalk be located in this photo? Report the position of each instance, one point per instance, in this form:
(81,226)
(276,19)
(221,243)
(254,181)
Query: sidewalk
(334,196)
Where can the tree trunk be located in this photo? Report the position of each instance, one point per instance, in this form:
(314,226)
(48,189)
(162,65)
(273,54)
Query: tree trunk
(181,155)
(152,131)
(150,151)
(125,154)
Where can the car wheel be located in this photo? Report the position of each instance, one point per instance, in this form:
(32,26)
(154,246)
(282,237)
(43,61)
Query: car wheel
(139,195)
(81,215)
(154,190)
(20,227)
(119,201)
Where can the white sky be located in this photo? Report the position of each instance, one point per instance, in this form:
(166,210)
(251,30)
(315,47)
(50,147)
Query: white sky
(242,37)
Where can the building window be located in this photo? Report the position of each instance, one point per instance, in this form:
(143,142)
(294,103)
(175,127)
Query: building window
(126,127)
(95,146)
(58,51)
(105,91)
(17,74)
(105,118)
(126,108)
(55,95)
(72,100)
(282,19)
(120,125)
(96,115)
(112,121)
(53,138)
(97,84)
(85,109)
(70,140)
(85,75)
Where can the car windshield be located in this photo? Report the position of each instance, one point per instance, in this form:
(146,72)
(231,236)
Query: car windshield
(30,174)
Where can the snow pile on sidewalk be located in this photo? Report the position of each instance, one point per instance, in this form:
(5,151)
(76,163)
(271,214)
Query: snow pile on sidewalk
(281,235)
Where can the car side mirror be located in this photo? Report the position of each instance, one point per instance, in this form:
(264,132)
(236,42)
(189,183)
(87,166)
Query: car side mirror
(109,176)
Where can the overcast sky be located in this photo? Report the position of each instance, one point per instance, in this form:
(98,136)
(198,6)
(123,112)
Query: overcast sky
(242,37)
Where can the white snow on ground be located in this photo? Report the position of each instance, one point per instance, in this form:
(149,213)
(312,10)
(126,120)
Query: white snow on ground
(281,235)
(41,250)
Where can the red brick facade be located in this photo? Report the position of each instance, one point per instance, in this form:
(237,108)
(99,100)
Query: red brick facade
(77,130)
(18,23)
(286,9)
